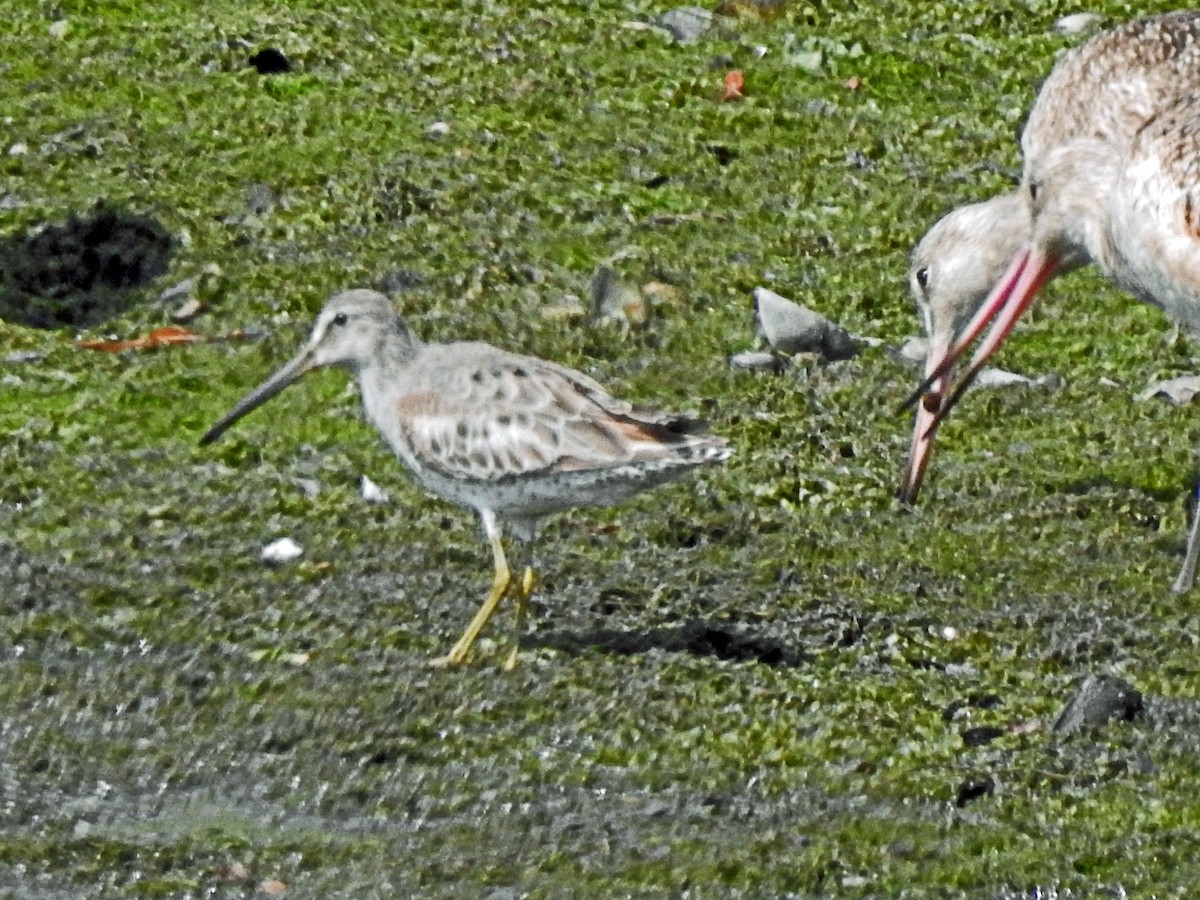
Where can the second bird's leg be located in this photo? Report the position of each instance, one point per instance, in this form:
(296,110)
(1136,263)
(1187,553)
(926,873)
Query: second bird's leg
(500,588)
(1187,575)
(528,583)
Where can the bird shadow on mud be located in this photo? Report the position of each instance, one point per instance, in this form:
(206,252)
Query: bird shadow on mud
(699,638)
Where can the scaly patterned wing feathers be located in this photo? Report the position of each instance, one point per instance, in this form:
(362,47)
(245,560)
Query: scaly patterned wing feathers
(513,416)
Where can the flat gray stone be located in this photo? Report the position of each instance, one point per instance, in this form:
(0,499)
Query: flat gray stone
(687,24)
(1179,391)
(1100,699)
(791,328)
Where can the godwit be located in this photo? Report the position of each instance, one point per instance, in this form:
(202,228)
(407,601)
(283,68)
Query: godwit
(511,437)
(1135,213)
(1103,91)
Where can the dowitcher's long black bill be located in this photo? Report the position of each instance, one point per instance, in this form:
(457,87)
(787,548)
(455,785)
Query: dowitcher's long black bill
(261,394)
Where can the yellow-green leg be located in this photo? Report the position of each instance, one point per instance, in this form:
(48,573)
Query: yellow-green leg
(500,587)
(528,583)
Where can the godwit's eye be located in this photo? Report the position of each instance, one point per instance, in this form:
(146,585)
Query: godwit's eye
(1034,187)
(923,277)
(340,319)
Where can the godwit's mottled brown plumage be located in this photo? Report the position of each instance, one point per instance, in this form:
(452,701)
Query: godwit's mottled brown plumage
(512,437)
(1102,91)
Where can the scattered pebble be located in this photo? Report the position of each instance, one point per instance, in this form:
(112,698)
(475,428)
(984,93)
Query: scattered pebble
(235,871)
(1179,391)
(187,310)
(260,199)
(571,309)
(659,293)
(177,292)
(283,550)
(18,149)
(24,356)
(1078,23)
(973,789)
(686,24)
(1098,700)
(914,349)
(758,361)
(617,300)
(310,487)
(791,328)
(60,29)
(270,61)
(981,735)
(438,129)
(1001,378)
(373,493)
(399,280)
(808,60)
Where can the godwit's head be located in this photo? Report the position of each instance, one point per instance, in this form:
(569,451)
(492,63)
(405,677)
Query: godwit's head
(950,274)
(1065,197)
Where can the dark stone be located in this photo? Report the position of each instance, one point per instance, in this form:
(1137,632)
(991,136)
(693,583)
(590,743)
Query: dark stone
(270,61)
(1098,700)
(399,280)
(973,789)
(724,155)
(981,735)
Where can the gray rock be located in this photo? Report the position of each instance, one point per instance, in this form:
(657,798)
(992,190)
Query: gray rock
(758,361)
(1099,699)
(24,356)
(791,328)
(260,199)
(178,292)
(914,349)
(1179,391)
(687,24)
(1078,23)
(614,299)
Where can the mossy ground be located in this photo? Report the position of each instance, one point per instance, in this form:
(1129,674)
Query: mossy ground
(181,720)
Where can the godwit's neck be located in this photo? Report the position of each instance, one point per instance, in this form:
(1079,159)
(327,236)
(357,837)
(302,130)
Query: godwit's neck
(1070,190)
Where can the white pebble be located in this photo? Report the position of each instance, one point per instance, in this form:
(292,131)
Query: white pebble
(1077,23)
(281,551)
(437,129)
(373,493)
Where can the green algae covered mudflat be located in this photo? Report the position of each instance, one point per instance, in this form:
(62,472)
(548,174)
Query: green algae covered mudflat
(769,681)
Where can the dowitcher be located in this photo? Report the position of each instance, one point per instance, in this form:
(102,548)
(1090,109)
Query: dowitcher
(512,437)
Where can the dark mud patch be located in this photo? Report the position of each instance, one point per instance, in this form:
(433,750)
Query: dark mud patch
(82,272)
(702,639)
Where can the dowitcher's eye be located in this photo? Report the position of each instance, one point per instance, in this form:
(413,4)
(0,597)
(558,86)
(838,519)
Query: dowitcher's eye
(340,319)
(923,277)
(1034,187)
